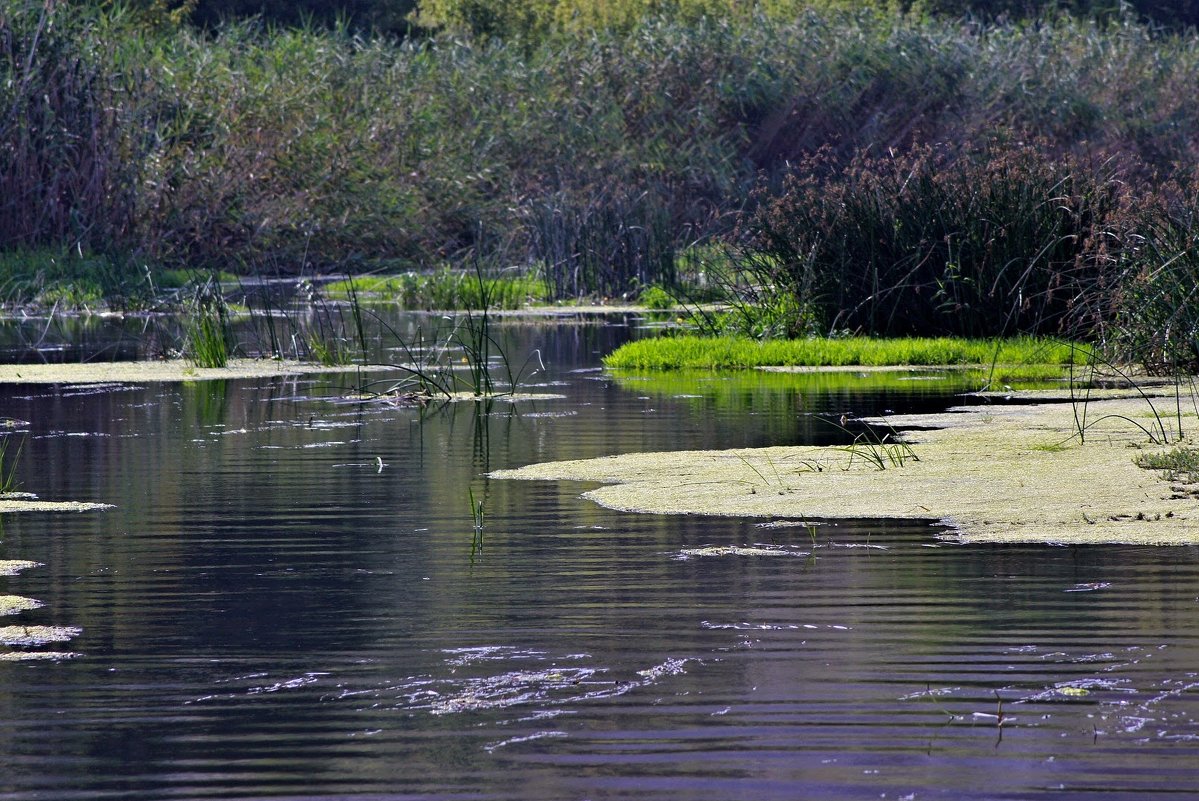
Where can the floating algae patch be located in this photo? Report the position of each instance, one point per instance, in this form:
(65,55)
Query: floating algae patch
(12,604)
(176,370)
(982,471)
(37,635)
(10,503)
(11,567)
(741,550)
(38,656)
(499,397)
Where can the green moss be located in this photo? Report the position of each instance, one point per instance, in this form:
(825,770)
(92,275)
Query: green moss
(979,472)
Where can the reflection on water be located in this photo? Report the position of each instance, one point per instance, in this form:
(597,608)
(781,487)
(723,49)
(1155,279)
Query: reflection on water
(285,603)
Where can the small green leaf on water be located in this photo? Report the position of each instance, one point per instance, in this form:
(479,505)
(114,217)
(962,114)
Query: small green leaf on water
(1074,691)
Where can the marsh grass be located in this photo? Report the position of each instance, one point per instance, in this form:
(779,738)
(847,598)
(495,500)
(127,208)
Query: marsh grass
(1002,236)
(478,521)
(71,280)
(447,289)
(878,450)
(333,333)
(434,363)
(8,465)
(915,174)
(1155,316)
(206,324)
(693,352)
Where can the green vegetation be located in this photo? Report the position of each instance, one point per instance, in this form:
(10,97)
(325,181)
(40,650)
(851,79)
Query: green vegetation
(8,466)
(443,290)
(1179,464)
(672,353)
(655,297)
(56,277)
(206,321)
(875,168)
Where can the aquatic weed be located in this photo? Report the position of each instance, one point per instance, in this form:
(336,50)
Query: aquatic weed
(206,324)
(476,513)
(878,451)
(8,466)
(1179,464)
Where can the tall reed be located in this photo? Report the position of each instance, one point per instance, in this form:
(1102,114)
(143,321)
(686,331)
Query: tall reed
(1006,239)
(599,151)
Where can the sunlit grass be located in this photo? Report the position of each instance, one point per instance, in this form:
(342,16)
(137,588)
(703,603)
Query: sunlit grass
(674,353)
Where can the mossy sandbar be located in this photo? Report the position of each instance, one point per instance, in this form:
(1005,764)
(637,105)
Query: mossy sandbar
(996,473)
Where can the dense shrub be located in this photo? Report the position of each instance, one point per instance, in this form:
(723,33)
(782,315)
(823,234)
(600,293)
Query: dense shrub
(1002,239)
(597,151)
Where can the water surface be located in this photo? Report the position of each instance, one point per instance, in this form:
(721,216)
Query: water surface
(290,600)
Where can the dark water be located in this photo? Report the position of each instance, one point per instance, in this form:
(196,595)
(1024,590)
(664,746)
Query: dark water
(267,612)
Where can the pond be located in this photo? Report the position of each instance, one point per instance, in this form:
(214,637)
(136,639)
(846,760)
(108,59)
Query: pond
(290,599)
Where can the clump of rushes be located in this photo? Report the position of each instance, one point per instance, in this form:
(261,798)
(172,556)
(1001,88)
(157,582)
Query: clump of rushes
(672,353)
(206,321)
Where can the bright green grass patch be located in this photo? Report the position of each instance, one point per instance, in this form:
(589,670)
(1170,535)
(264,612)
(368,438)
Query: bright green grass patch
(673,353)
(769,390)
(443,290)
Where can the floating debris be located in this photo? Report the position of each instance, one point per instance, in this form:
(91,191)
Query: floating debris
(540,735)
(671,667)
(524,687)
(8,504)
(12,604)
(741,550)
(11,567)
(37,635)
(38,656)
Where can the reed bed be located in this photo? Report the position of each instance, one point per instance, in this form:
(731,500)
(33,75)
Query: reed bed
(596,153)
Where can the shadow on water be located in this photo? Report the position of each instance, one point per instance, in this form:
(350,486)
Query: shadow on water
(293,597)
